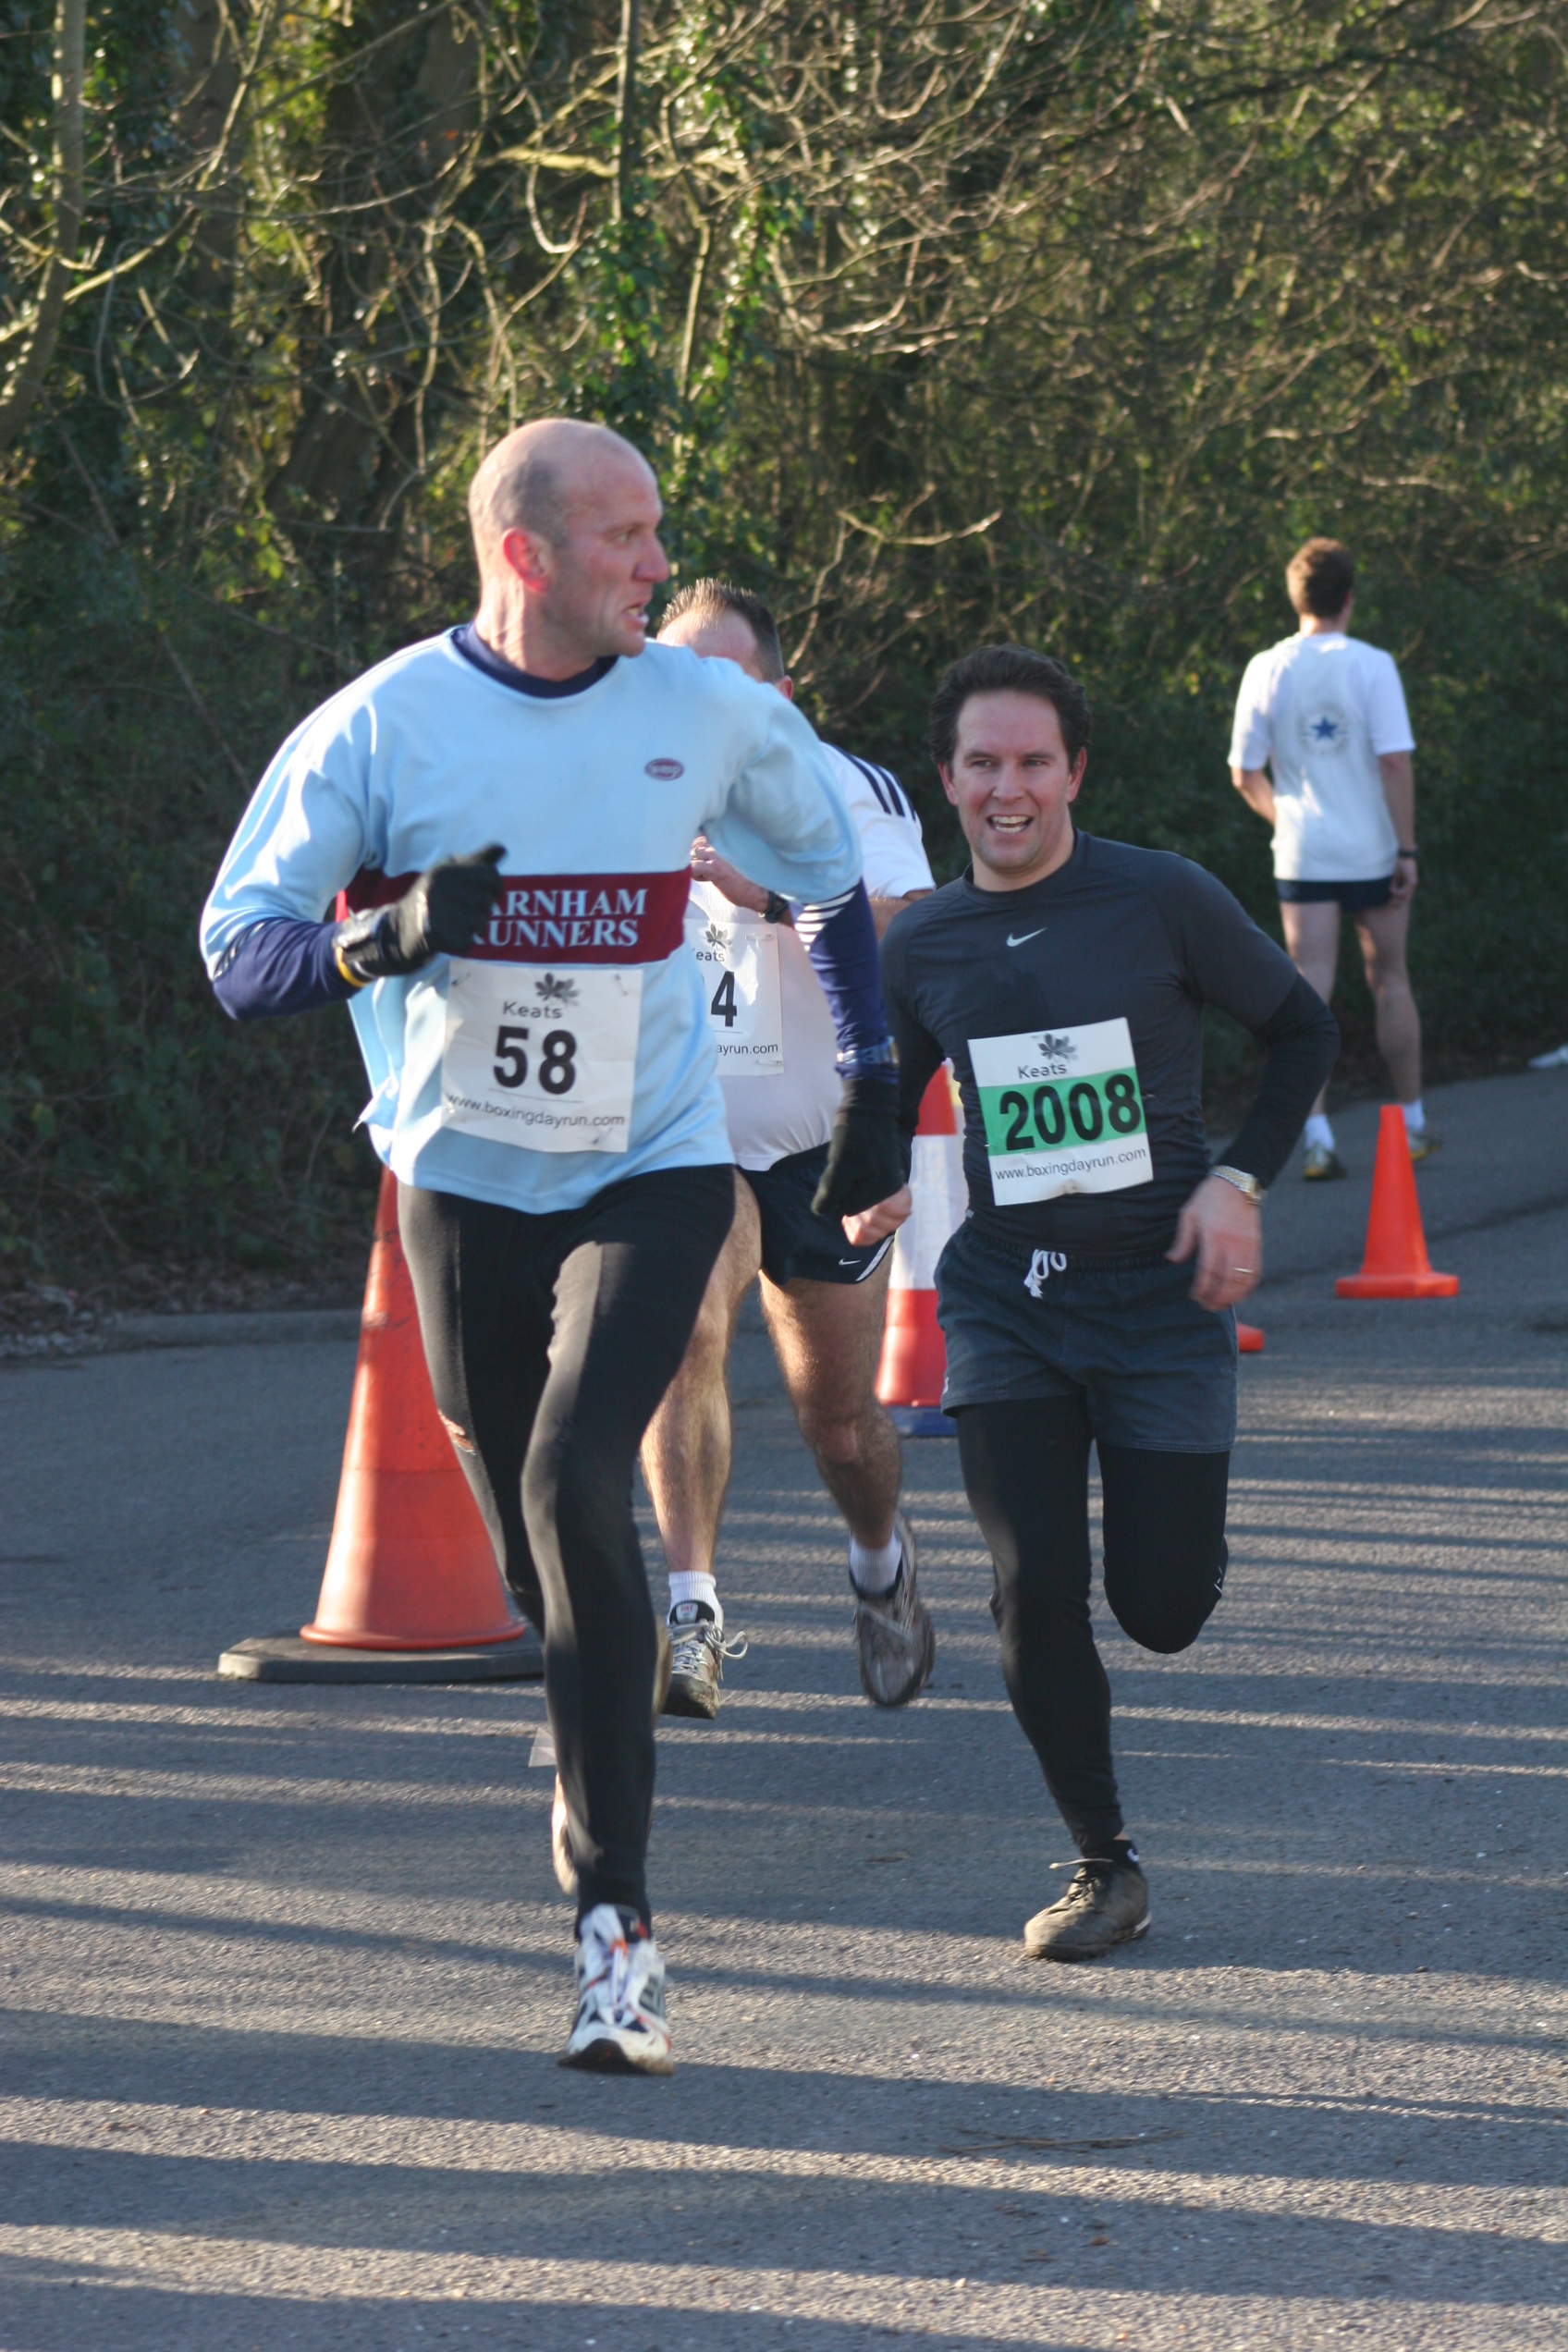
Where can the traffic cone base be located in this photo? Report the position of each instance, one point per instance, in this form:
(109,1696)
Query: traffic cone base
(1396,1286)
(1396,1265)
(1249,1339)
(411,1571)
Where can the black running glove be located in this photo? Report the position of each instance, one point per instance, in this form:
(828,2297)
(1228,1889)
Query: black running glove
(868,1157)
(442,914)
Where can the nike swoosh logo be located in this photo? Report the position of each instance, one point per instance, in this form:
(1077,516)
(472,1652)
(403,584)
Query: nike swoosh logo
(1028,936)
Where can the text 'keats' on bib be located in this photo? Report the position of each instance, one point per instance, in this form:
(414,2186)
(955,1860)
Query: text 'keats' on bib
(1062,1112)
(543,1059)
(738,963)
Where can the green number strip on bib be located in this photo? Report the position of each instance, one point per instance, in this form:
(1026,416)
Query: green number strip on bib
(1062,1111)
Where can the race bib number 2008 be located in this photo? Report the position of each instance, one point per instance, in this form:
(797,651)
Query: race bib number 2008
(543,1060)
(1062,1112)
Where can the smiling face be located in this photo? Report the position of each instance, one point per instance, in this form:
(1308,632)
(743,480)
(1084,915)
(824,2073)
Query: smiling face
(1013,786)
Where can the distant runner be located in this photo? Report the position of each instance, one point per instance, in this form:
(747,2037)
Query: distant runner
(518,797)
(1328,713)
(1066,979)
(823,1302)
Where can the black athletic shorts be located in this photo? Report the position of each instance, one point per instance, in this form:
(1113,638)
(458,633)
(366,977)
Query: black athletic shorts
(1157,1372)
(1354,897)
(796,1243)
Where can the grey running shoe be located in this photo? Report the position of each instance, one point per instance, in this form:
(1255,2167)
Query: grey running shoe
(561,1836)
(893,1632)
(1107,1904)
(1319,1164)
(1423,1144)
(700,1648)
(620,2027)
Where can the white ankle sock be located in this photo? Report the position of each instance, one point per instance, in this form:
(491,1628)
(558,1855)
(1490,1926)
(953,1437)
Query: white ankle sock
(1317,1131)
(684,1586)
(1415,1117)
(876,1571)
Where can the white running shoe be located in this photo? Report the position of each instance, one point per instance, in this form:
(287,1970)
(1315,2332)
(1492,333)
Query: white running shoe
(620,2026)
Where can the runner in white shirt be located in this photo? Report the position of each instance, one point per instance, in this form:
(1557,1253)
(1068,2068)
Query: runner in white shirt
(509,809)
(824,1302)
(1327,714)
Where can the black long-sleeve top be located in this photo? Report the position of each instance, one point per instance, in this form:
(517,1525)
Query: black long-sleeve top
(1037,979)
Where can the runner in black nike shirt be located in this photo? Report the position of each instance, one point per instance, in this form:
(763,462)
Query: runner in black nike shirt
(1088,1296)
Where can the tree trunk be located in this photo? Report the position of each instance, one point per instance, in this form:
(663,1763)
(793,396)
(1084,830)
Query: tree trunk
(18,401)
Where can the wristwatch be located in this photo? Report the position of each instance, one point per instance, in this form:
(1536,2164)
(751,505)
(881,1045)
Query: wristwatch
(776,908)
(1414,855)
(1244,1183)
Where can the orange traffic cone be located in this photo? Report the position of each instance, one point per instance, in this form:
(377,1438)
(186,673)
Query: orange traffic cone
(1396,1265)
(914,1361)
(1249,1339)
(411,1592)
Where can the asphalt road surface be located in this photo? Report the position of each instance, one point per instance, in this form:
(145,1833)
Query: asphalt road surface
(285,1971)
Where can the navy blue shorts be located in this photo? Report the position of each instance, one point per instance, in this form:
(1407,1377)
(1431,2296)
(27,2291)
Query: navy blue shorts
(797,1245)
(1354,897)
(1154,1370)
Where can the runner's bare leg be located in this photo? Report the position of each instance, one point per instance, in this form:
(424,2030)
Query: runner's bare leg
(1312,941)
(1383,932)
(686,1448)
(828,1337)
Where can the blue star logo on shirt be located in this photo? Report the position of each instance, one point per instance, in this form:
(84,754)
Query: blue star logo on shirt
(1324,730)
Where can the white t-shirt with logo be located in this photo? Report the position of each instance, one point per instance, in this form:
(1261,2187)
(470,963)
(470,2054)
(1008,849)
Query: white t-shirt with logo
(1322,710)
(769,1019)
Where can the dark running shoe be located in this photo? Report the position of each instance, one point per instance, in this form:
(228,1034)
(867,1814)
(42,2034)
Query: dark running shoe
(1320,1164)
(1107,1904)
(700,1647)
(894,1634)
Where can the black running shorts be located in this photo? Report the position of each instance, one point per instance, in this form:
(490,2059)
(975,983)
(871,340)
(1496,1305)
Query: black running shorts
(1155,1371)
(1356,898)
(798,1245)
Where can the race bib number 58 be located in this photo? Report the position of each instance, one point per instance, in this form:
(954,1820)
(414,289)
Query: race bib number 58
(1062,1112)
(540,1058)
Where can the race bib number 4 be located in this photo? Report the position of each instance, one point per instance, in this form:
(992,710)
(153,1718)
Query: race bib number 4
(738,963)
(541,1059)
(1062,1112)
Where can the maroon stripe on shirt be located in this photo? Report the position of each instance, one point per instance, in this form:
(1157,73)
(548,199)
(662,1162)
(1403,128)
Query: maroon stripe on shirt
(568,918)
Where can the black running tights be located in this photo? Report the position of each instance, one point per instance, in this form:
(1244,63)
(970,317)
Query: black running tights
(1026,1471)
(551,1341)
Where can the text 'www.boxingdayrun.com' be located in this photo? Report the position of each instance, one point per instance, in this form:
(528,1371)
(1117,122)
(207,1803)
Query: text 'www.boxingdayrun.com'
(1030,1164)
(525,1115)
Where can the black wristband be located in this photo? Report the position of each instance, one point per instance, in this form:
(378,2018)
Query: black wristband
(1413,854)
(776,908)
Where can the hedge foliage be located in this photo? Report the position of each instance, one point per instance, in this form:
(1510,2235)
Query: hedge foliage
(1062,324)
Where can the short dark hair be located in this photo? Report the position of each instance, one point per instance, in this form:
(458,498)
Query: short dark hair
(710,599)
(1008,669)
(1319,576)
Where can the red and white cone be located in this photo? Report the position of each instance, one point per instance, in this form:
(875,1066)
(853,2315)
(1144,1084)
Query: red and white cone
(914,1360)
